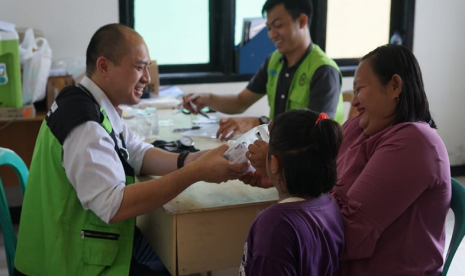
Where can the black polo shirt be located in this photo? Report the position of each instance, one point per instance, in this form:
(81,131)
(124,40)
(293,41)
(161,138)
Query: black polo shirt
(325,86)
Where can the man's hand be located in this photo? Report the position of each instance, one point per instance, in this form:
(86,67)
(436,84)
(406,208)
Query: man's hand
(234,126)
(256,179)
(200,101)
(214,168)
(257,154)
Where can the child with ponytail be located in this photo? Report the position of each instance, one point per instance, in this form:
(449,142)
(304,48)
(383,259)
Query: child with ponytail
(303,233)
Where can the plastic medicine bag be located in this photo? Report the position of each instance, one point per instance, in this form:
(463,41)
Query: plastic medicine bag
(36,61)
(236,152)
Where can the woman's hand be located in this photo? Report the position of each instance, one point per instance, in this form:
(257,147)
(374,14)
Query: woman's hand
(256,179)
(257,154)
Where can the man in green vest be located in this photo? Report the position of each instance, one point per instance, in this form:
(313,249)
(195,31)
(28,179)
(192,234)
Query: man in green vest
(297,75)
(79,210)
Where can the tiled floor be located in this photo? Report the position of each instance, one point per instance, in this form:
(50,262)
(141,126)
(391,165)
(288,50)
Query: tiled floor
(457,268)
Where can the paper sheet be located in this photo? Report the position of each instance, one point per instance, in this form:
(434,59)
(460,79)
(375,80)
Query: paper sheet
(206,131)
(171,91)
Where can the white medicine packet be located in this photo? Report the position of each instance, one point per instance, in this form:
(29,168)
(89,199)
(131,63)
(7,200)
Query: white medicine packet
(236,152)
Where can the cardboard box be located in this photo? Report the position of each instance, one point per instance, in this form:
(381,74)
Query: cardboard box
(25,112)
(154,84)
(55,85)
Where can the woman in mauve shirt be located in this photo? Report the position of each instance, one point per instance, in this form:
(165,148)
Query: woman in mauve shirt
(393,171)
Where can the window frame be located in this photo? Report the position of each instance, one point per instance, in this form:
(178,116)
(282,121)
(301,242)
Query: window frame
(222,49)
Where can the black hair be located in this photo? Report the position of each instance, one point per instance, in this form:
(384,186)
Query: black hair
(307,152)
(108,41)
(390,59)
(294,7)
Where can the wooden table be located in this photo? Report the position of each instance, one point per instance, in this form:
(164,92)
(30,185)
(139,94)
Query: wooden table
(205,227)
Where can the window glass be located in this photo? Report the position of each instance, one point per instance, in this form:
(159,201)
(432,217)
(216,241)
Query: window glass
(356,27)
(176,31)
(246,9)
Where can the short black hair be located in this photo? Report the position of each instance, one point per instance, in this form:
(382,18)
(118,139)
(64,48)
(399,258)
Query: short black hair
(391,59)
(294,7)
(108,41)
(307,152)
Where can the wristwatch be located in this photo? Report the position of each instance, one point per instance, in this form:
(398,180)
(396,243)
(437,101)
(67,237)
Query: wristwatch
(264,120)
(186,141)
(181,157)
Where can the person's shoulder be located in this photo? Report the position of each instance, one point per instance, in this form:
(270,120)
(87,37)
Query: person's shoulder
(273,218)
(270,212)
(326,69)
(318,53)
(415,137)
(72,103)
(283,214)
(320,58)
(71,108)
(413,132)
(74,97)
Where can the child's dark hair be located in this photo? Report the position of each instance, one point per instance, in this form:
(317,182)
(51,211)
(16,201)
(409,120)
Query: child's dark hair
(307,152)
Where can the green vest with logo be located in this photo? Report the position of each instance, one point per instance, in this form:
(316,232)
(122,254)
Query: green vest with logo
(299,92)
(56,235)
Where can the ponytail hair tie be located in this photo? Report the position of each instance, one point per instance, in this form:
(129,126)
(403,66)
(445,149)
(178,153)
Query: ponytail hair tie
(322,116)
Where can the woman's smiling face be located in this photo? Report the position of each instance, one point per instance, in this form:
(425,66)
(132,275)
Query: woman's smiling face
(375,102)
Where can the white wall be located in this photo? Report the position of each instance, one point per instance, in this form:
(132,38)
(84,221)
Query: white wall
(438,45)
(438,41)
(68,25)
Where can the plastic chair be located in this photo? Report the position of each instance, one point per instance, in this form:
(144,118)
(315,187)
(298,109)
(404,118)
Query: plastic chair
(348,96)
(10,158)
(457,205)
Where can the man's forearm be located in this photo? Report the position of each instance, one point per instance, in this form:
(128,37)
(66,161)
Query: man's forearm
(234,104)
(229,104)
(144,197)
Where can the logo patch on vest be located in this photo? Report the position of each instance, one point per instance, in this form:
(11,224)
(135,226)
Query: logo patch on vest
(272,73)
(52,109)
(302,79)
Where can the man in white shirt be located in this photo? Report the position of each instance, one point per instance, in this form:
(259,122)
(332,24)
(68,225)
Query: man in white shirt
(78,197)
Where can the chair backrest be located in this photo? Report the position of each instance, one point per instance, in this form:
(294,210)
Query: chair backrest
(348,96)
(457,205)
(10,158)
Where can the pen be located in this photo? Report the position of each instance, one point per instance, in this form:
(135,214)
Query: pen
(195,107)
(185,128)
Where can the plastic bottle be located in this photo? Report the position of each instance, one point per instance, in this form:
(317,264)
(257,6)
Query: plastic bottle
(144,124)
(154,127)
(396,38)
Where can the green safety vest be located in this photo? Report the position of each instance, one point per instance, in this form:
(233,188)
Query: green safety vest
(299,92)
(56,235)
